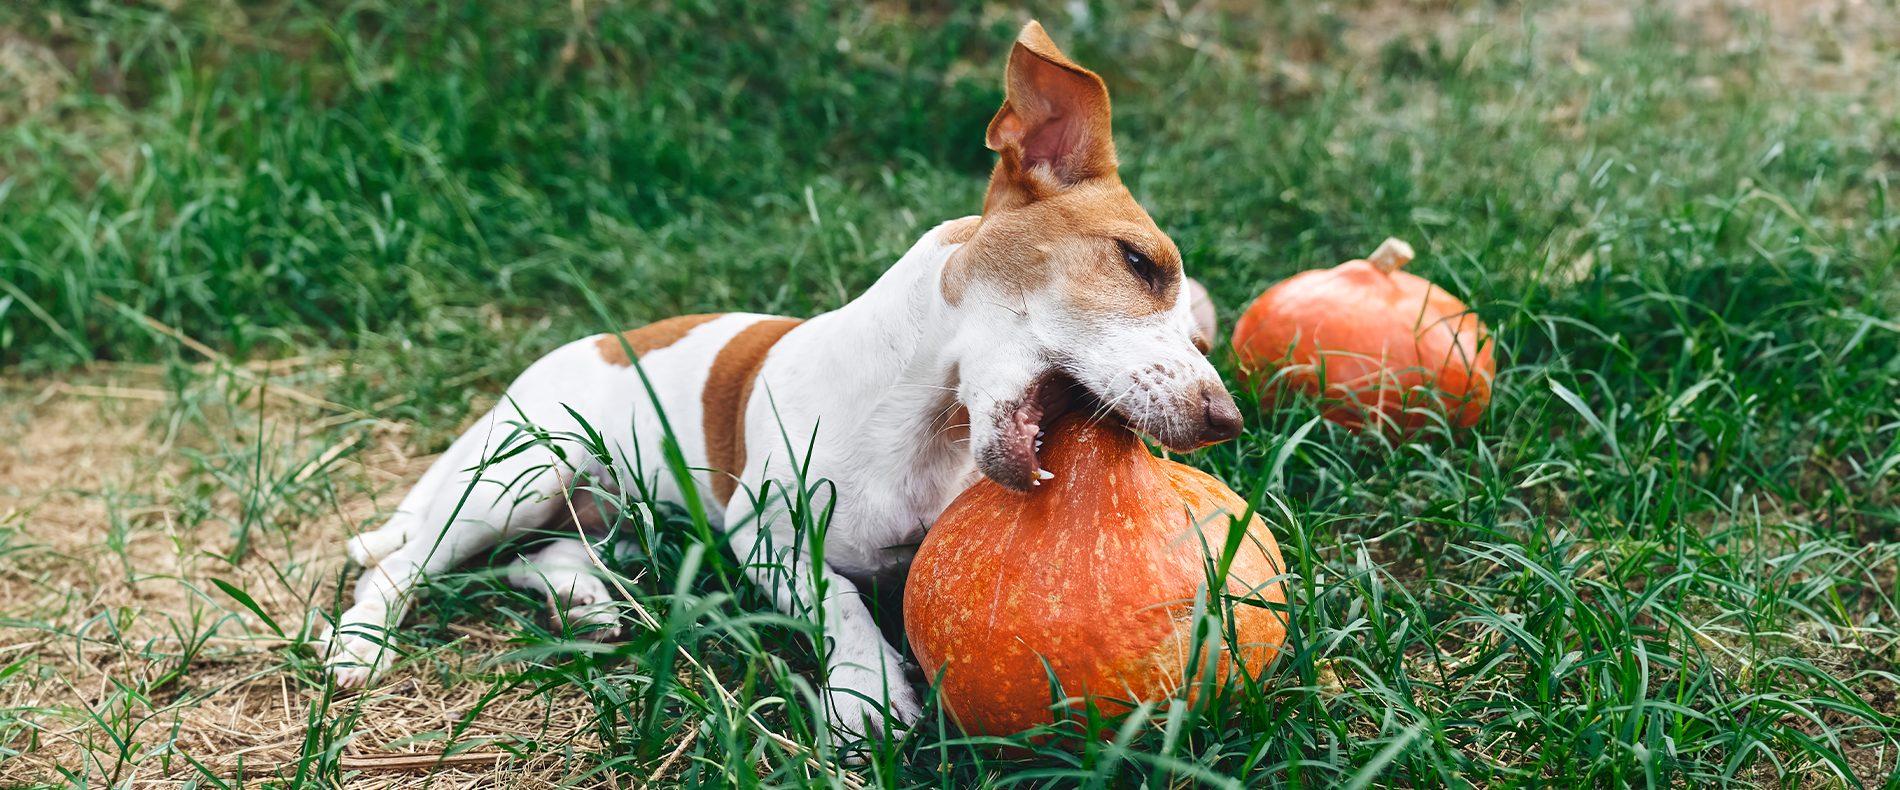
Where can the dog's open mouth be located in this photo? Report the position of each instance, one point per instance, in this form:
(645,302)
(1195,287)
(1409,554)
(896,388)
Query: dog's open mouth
(1052,395)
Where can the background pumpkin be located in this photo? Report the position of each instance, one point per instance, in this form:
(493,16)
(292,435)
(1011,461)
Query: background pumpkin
(1385,341)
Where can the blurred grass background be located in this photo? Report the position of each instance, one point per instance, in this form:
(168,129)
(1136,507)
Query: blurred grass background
(271,176)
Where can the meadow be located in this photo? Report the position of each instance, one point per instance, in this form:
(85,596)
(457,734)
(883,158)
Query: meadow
(259,262)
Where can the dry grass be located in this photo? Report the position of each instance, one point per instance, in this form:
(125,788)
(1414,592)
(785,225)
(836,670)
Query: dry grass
(107,614)
(31,77)
(1843,47)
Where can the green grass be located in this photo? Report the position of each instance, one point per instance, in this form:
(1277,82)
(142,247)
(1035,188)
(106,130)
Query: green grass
(1666,557)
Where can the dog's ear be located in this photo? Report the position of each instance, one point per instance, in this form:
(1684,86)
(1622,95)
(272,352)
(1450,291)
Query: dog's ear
(1053,130)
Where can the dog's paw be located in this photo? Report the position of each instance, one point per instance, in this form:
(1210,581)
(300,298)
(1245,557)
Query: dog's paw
(355,661)
(906,710)
(369,548)
(351,676)
(588,610)
(597,620)
(857,723)
(866,712)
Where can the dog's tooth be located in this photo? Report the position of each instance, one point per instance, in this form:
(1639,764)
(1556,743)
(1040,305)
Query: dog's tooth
(1035,482)
(1044,474)
(1038,444)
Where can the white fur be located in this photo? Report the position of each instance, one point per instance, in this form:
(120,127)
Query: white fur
(868,396)
(564,572)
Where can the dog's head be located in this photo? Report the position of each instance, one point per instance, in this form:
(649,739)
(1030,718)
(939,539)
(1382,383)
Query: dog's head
(1072,298)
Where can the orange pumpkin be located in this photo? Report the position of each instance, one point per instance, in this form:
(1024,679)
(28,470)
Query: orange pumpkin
(1092,575)
(1372,341)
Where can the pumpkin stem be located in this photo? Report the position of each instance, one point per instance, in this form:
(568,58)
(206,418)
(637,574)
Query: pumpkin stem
(1391,256)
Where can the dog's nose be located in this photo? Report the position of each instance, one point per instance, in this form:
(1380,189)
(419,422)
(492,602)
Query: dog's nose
(1220,418)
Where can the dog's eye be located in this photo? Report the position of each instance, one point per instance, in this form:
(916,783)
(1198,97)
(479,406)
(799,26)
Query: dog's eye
(1143,266)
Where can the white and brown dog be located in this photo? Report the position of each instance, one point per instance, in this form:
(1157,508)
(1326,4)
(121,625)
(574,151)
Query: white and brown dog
(942,370)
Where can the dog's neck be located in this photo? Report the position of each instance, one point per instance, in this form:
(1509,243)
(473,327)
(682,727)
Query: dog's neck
(890,349)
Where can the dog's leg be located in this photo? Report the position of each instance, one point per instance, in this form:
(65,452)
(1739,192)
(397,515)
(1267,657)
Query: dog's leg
(864,674)
(519,491)
(485,488)
(369,548)
(565,573)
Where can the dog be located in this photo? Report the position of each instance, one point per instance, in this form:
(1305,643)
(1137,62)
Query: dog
(1063,293)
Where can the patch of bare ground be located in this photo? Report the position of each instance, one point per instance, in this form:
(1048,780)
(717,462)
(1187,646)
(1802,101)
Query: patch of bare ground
(1847,49)
(31,77)
(133,666)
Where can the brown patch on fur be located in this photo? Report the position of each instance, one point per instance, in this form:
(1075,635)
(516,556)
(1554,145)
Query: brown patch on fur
(728,389)
(1071,238)
(649,338)
(958,231)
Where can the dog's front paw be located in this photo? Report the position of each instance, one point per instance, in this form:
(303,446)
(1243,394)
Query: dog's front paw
(355,661)
(597,620)
(584,608)
(368,549)
(861,708)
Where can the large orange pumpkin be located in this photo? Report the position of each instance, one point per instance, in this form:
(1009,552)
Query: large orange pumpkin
(1091,575)
(1372,341)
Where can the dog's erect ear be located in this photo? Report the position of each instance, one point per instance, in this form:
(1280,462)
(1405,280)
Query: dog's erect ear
(1053,130)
